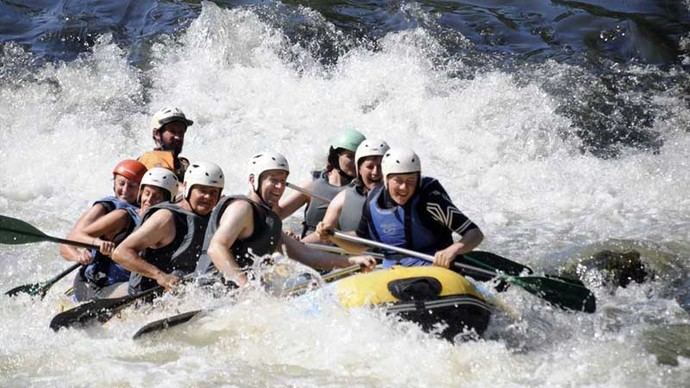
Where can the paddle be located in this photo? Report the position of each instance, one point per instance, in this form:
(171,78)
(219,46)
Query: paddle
(98,309)
(166,323)
(41,288)
(14,231)
(307,192)
(489,261)
(559,292)
(341,251)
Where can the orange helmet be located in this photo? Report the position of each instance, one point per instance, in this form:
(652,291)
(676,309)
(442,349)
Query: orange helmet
(130,169)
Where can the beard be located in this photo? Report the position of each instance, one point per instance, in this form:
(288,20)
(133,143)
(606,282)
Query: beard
(174,147)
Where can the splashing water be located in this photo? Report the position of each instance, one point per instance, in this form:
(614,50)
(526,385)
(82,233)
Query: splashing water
(515,144)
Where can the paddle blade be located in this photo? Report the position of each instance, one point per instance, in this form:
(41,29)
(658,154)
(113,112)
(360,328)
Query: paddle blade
(43,287)
(166,323)
(31,289)
(495,262)
(14,231)
(565,294)
(102,309)
(99,309)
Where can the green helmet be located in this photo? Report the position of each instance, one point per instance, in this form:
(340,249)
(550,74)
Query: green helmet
(348,140)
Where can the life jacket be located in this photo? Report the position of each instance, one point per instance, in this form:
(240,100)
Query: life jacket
(316,208)
(404,227)
(263,241)
(103,271)
(165,159)
(181,255)
(351,212)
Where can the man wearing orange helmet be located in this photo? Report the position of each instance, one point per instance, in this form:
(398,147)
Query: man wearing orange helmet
(127,175)
(169,126)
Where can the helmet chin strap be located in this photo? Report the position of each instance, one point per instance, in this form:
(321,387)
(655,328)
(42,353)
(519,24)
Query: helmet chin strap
(261,198)
(258,194)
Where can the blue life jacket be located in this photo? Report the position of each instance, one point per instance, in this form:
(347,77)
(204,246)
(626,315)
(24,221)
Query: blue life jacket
(103,271)
(404,227)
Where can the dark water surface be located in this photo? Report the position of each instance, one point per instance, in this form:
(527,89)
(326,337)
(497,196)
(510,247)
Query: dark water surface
(625,52)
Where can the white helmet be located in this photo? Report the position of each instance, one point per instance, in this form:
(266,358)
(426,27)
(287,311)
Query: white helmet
(400,161)
(370,147)
(168,115)
(205,174)
(160,177)
(265,161)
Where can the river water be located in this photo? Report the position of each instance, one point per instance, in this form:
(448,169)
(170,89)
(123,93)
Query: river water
(560,127)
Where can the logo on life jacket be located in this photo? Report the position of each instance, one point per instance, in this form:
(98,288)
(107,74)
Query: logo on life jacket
(388,228)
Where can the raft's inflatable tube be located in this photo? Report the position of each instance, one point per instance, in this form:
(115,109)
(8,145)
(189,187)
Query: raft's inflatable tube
(426,295)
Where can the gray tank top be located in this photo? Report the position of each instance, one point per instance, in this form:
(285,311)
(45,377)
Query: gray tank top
(263,241)
(352,208)
(182,254)
(316,209)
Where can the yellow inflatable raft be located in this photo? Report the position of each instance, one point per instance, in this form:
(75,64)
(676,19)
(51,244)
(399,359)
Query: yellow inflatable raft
(426,295)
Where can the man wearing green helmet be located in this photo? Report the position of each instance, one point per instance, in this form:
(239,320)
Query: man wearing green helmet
(327,183)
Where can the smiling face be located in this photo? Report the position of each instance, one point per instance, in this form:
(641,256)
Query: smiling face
(151,195)
(370,171)
(401,187)
(272,186)
(202,199)
(125,189)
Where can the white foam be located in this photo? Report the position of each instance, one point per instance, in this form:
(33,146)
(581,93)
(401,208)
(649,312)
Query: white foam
(496,146)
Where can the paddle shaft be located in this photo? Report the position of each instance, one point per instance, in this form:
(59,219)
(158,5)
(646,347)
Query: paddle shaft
(338,250)
(307,192)
(63,274)
(69,242)
(429,258)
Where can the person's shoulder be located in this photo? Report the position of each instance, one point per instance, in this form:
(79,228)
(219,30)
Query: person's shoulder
(432,188)
(340,196)
(238,208)
(240,205)
(431,184)
(160,213)
(118,214)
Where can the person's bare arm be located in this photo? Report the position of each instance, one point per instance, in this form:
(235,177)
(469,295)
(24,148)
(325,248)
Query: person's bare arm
(323,260)
(470,240)
(326,234)
(71,253)
(237,222)
(155,232)
(101,231)
(291,203)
